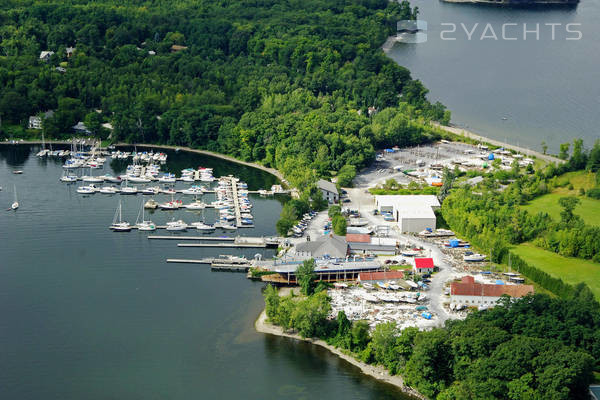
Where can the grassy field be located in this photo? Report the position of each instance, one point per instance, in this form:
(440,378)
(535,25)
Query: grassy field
(588,209)
(579,179)
(570,270)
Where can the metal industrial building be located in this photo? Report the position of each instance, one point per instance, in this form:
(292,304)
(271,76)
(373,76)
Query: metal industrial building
(414,213)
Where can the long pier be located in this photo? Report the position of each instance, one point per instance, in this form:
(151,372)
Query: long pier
(176,237)
(224,241)
(236,203)
(216,264)
(223,244)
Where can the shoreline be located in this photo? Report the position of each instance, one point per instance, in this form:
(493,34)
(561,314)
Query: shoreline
(375,371)
(475,136)
(271,171)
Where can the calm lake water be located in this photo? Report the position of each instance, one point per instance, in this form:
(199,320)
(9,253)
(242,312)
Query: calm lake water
(548,90)
(91,314)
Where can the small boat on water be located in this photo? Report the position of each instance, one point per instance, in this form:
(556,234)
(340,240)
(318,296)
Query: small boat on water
(128,189)
(201,226)
(178,225)
(225,226)
(110,178)
(15,203)
(89,189)
(151,204)
(108,190)
(17,172)
(68,178)
(196,205)
(142,224)
(138,179)
(118,224)
(151,190)
(193,190)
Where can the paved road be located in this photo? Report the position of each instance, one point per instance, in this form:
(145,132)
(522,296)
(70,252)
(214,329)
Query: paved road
(365,203)
(523,150)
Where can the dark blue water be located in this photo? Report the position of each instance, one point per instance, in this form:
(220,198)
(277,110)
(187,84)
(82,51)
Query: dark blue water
(548,90)
(86,313)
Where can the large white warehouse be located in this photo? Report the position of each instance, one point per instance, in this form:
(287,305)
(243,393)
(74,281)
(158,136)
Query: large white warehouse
(414,213)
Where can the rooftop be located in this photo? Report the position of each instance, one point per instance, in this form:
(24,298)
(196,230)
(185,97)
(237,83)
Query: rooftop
(358,238)
(380,276)
(326,185)
(423,263)
(329,266)
(330,245)
(402,201)
(467,287)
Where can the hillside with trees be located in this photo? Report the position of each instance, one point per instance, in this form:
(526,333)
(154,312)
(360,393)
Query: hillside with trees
(299,86)
(536,347)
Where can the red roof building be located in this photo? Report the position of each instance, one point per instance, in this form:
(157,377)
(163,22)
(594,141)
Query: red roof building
(423,265)
(468,292)
(358,238)
(380,276)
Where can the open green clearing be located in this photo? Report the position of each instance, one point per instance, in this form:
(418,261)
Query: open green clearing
(588,209)
(570,270)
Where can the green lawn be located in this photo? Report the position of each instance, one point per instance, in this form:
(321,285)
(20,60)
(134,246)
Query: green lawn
(588,209)
(570,270)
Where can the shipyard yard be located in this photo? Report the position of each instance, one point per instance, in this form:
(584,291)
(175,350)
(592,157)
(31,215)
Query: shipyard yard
(403,294)
(375,244)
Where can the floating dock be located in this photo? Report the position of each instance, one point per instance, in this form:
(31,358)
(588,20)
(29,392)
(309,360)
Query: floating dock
(216,264)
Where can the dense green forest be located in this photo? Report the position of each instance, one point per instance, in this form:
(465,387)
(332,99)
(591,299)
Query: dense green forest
(288,84)
(536,347)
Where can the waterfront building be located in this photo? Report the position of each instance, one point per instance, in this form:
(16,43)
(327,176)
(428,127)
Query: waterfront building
(333,246)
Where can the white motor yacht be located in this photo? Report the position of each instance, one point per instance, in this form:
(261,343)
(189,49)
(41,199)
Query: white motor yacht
(194,190)
(90,189)
(178,225)
(196,205)
(151,190)
(108,190)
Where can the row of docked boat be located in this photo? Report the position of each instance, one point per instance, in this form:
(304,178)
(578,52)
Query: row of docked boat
(142,156)
(142,224)
(53,153)
(233,205)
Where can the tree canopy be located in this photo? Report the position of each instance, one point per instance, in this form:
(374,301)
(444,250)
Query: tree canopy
(287,84)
